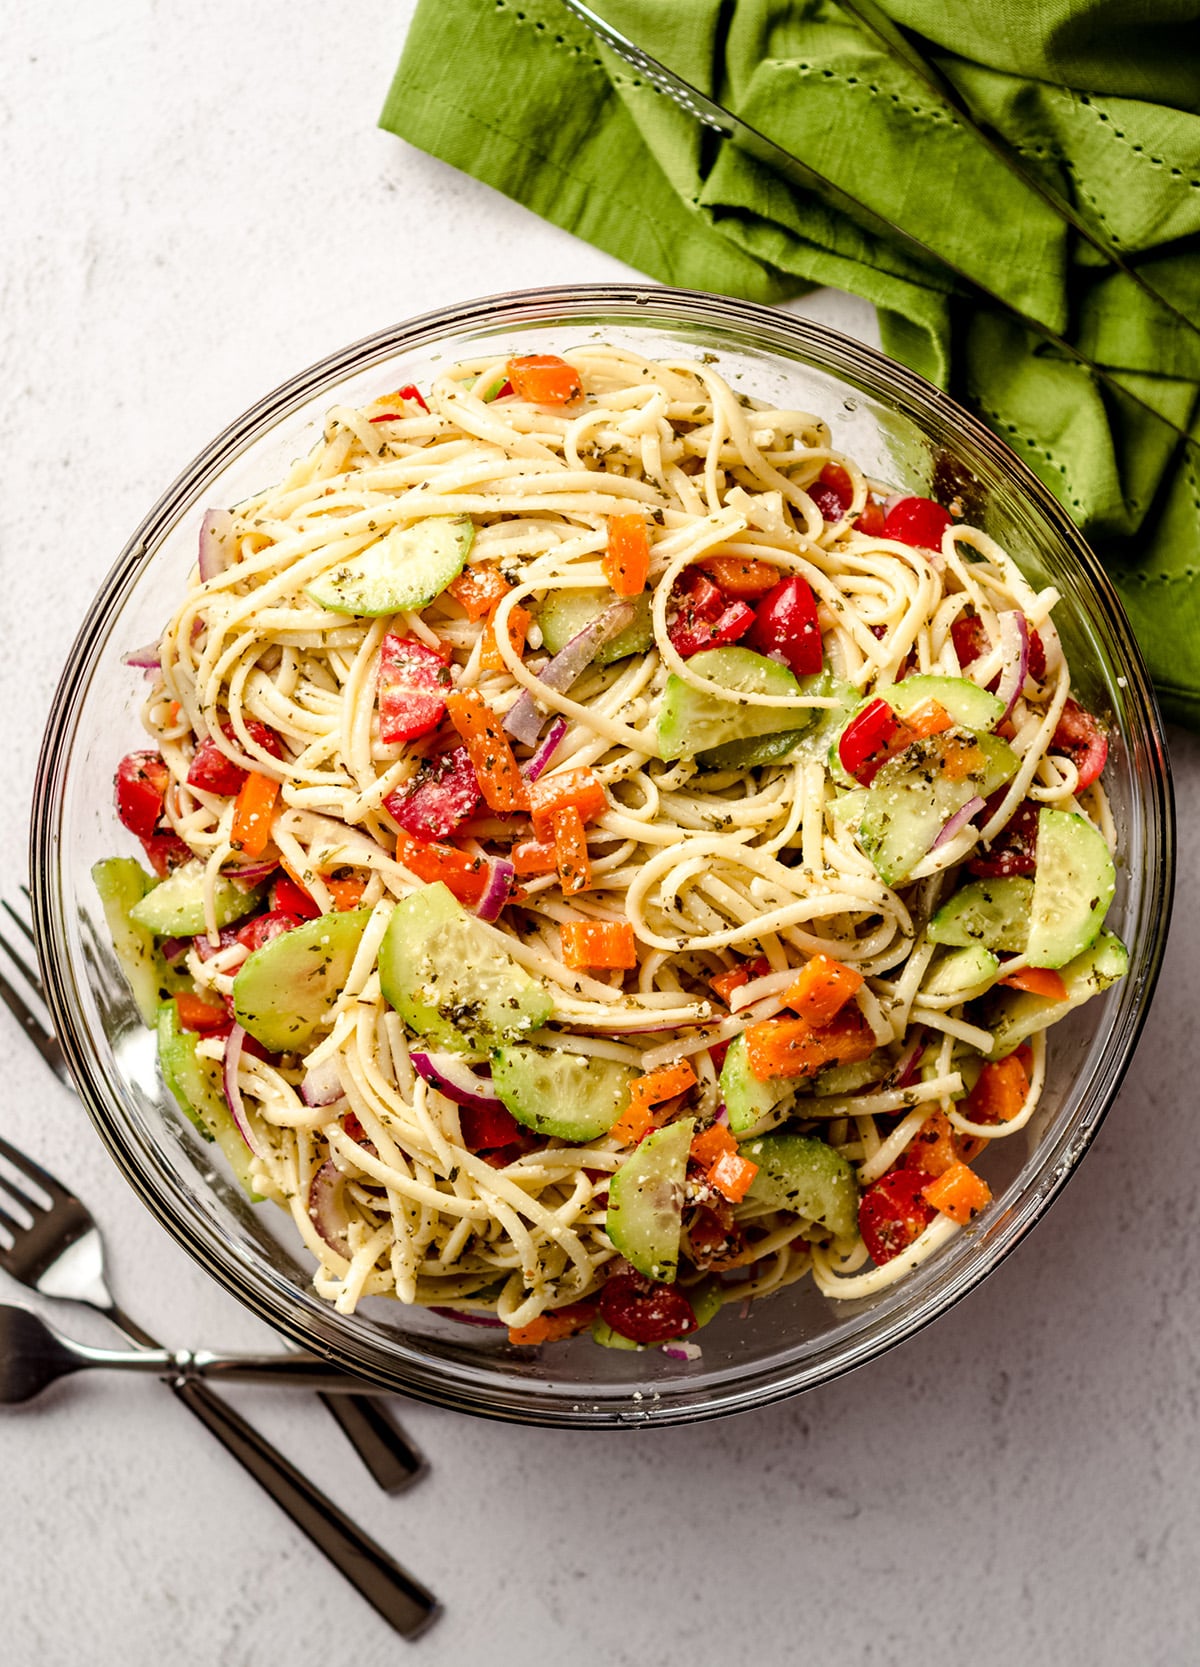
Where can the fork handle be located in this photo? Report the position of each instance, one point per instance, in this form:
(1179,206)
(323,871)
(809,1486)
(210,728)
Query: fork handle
(402,1601)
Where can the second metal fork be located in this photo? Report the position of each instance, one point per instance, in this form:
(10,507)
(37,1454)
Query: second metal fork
(383,1447)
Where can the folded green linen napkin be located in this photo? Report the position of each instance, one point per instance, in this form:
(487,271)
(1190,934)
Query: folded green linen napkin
(1100,96)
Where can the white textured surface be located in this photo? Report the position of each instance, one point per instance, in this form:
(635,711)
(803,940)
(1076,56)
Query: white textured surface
(197,203)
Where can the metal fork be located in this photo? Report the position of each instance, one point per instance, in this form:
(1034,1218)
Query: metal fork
(383,1447)
(60,1253)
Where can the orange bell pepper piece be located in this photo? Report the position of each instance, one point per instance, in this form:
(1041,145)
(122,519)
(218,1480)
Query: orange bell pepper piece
(605,944)
(500,781)
(1000,1092)
(627,560)
(532,856)
(731,1175)
(571,851)
(549,794)
(519,621)
(479,588)
(544,379)
(740,577)
(651,1090)
(346,893)
(1038,981)
(199,1015)
(466,877)
(712,1143)
(792,1048)
(822,989)
(959,1193)
(558,1323)
(253,813)
(929,718)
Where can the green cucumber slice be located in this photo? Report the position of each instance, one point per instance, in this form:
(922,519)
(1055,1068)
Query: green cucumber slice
(961,974)
(1014,1015)
(964,701)
(565,613)
(193,1082)
(691,721)
(449,980)
(848,1079)
(994,913)
(809,741)
(122,884)
(175,907)
(406,568)
(913,795)
(1073,886)
(285,989)
(570,1095)
(801,1173)
(747,1100)
(645,1201)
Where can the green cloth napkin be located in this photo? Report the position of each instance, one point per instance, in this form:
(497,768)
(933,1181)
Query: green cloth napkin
(1100,96)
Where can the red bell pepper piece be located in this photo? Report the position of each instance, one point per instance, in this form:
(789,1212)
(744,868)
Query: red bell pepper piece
(414,680)
(408,391)
(786,627)
(290,899)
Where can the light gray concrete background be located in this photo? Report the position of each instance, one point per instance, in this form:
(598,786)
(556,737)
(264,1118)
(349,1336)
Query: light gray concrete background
(196,202)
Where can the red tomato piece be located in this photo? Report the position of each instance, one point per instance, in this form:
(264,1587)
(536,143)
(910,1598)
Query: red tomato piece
(786,628)
(644,1312)
(832,492)
(714,1236)
(969,638)
(916,521)
(264,928)
(689,637)
(892,1213)
(290,899)
(487,1129)
(864,738)
(201,1016)
(166,851)
(141,786)
(413,683)
(444,794)
(1014,849)
(870,520)
(213,771)
(1080,737)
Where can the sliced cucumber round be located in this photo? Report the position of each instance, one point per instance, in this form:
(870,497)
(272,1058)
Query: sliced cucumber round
(691,721)
(961,974)
(1013,1015)
(965,702)
(803,1174)
(569,1095)
(747,1100)
(565,613)
(194,1083)
(175,908)
(1073,886)
(406,568)
(285,989)
(449,980)
(994,913)
(122,884)
(645,1201)
(916,792)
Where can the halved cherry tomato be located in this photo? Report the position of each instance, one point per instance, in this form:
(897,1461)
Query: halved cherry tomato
(645,1312)
(862,748)
(213,772)
(484,1128)
(1080,737)
(290,899)
(141,786)
(893,1212)
(264,928)
(832,492)
(786,628)
(688,638)
(713,1236)
(971,640)
(165,851)
(413,682)
(1014,849)
(870,520)
(916,521)
(443,794)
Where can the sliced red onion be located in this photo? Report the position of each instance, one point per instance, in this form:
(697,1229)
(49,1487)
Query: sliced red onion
(173,949)
(721,1115)
(148,658)
(541,758)
(214,552)
(957,822)
(906,1066)
(321,1084)
(251,874)
(499,887)
(524,721)
(1014,642)
(681,1351)
(454,1078)
(327,1207)
(233,1094)
(464,1318)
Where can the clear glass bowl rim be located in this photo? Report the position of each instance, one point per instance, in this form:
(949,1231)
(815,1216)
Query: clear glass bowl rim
(263,1290)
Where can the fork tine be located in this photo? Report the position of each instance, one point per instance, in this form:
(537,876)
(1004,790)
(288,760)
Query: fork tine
(43,1040)
(28,973)
(33,1172)
(24,921)
(10,1226)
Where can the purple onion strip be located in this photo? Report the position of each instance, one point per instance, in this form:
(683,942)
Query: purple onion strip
(214,554)
(957,822)
(524,722)
(321,1084)
(499,886)
(326,1208)
(540,761)
(233,1094)
(1014,641)
(454,1078)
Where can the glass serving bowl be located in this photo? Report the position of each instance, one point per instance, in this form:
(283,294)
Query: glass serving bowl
(900,429)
